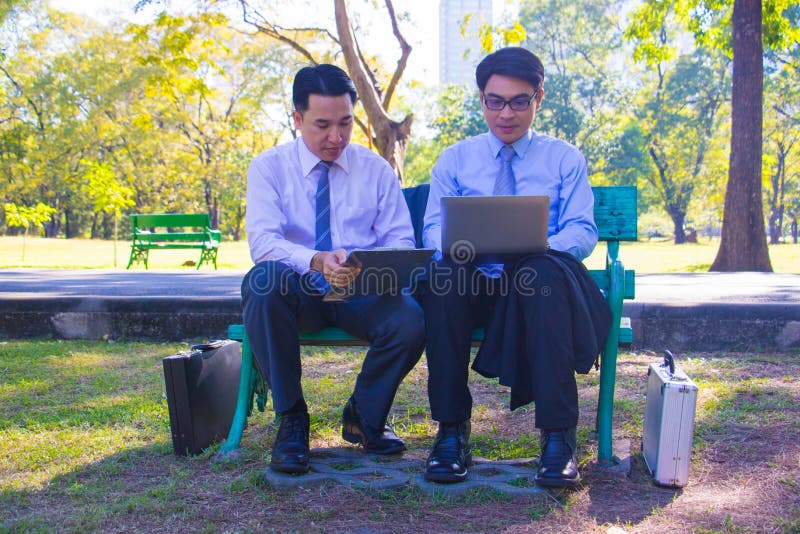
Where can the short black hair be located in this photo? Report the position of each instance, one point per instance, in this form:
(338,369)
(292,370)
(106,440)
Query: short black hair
(323,79)
(514,62)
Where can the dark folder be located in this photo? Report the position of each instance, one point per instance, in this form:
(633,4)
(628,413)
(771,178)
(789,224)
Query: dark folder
(202,387)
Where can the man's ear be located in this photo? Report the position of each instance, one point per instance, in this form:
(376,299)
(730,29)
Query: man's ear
(539,96)
(298,118)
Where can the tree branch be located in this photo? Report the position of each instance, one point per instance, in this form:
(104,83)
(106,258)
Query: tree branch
(401,63)
(368,69)
(38,112)
(277,32)
(358,72)
(364,128)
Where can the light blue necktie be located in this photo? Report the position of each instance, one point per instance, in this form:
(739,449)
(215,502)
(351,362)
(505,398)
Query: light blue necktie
(323,227)
(505,183)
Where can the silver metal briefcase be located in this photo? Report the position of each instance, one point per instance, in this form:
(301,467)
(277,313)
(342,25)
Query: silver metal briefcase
(668,422)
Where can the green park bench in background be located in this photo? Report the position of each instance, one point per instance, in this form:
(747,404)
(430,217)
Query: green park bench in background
(615,215)
(195,232)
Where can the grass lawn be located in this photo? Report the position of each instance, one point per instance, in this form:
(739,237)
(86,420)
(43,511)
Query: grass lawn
(644,257)
(86,447)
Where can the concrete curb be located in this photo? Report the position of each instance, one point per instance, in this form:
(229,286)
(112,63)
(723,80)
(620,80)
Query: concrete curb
(685,311)
(715,326)
(656,326)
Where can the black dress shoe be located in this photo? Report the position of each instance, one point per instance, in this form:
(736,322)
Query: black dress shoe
(356,430)
(558,467)
(450,455)
(290,452)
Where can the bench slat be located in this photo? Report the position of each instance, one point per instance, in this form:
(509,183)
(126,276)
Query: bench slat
(336,337)
(170,220)
(211,245)
(602,280)
(171,236)
(615,213)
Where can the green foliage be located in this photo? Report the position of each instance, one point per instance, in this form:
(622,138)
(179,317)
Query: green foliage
(107,194)
(590,94)
(420,158)
(459,115)
(173,109)
(647,25)
(494,37)
(25,216)
(161,116)
(456,115)
(781,147)
(683,109)
(710,22)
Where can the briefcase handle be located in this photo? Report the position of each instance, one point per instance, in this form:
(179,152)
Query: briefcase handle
(214,344)
(669,361)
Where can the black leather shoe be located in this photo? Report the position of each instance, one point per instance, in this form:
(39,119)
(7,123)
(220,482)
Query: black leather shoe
(558,467)
(290,452)
(450,455)
(356,430)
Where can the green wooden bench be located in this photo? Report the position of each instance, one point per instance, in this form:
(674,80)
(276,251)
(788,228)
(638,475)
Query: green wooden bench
(615,214)
(195,232)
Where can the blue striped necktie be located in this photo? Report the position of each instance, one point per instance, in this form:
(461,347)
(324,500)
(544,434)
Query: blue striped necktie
(323,227)
(505,183)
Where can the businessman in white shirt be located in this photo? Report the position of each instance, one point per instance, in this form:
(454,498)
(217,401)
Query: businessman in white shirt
(309,203)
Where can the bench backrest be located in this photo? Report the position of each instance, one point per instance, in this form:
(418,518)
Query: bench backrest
(614,211)
(170,220)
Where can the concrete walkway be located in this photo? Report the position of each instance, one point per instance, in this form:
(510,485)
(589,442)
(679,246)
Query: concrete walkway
(687,311)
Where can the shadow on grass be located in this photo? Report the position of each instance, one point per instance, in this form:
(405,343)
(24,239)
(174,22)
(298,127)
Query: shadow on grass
(144,489)
(744,474)
(150,489)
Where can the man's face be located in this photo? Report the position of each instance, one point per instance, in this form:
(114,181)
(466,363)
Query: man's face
(326,125)
(509,125)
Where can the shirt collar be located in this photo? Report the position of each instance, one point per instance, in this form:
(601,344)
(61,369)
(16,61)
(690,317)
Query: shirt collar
(308,160)
(520,145)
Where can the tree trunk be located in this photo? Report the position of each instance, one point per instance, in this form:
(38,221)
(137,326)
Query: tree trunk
(391,137)
(52,227)
(678,219)
(215,214)
(775,223)
(95,232)
(743,245)
(115,240)
(237,223)
(69,224)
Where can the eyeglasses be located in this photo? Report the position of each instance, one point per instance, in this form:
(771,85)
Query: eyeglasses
(519,103)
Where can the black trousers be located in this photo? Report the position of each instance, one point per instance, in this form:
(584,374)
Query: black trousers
(459,297)
(278,304)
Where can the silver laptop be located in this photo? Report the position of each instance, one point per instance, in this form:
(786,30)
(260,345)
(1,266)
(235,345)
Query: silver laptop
(489,228)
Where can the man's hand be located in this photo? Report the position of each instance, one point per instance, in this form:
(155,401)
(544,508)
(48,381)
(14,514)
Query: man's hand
(331,265)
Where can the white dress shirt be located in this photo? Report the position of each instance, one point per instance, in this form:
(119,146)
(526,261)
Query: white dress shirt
(368,209)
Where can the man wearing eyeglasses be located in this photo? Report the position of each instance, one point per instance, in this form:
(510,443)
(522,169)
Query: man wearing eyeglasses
(535,339)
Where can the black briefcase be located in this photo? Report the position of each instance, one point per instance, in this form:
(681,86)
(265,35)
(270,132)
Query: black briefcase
(202,387)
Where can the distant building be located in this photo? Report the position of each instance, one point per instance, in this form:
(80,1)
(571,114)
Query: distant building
(459,46)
